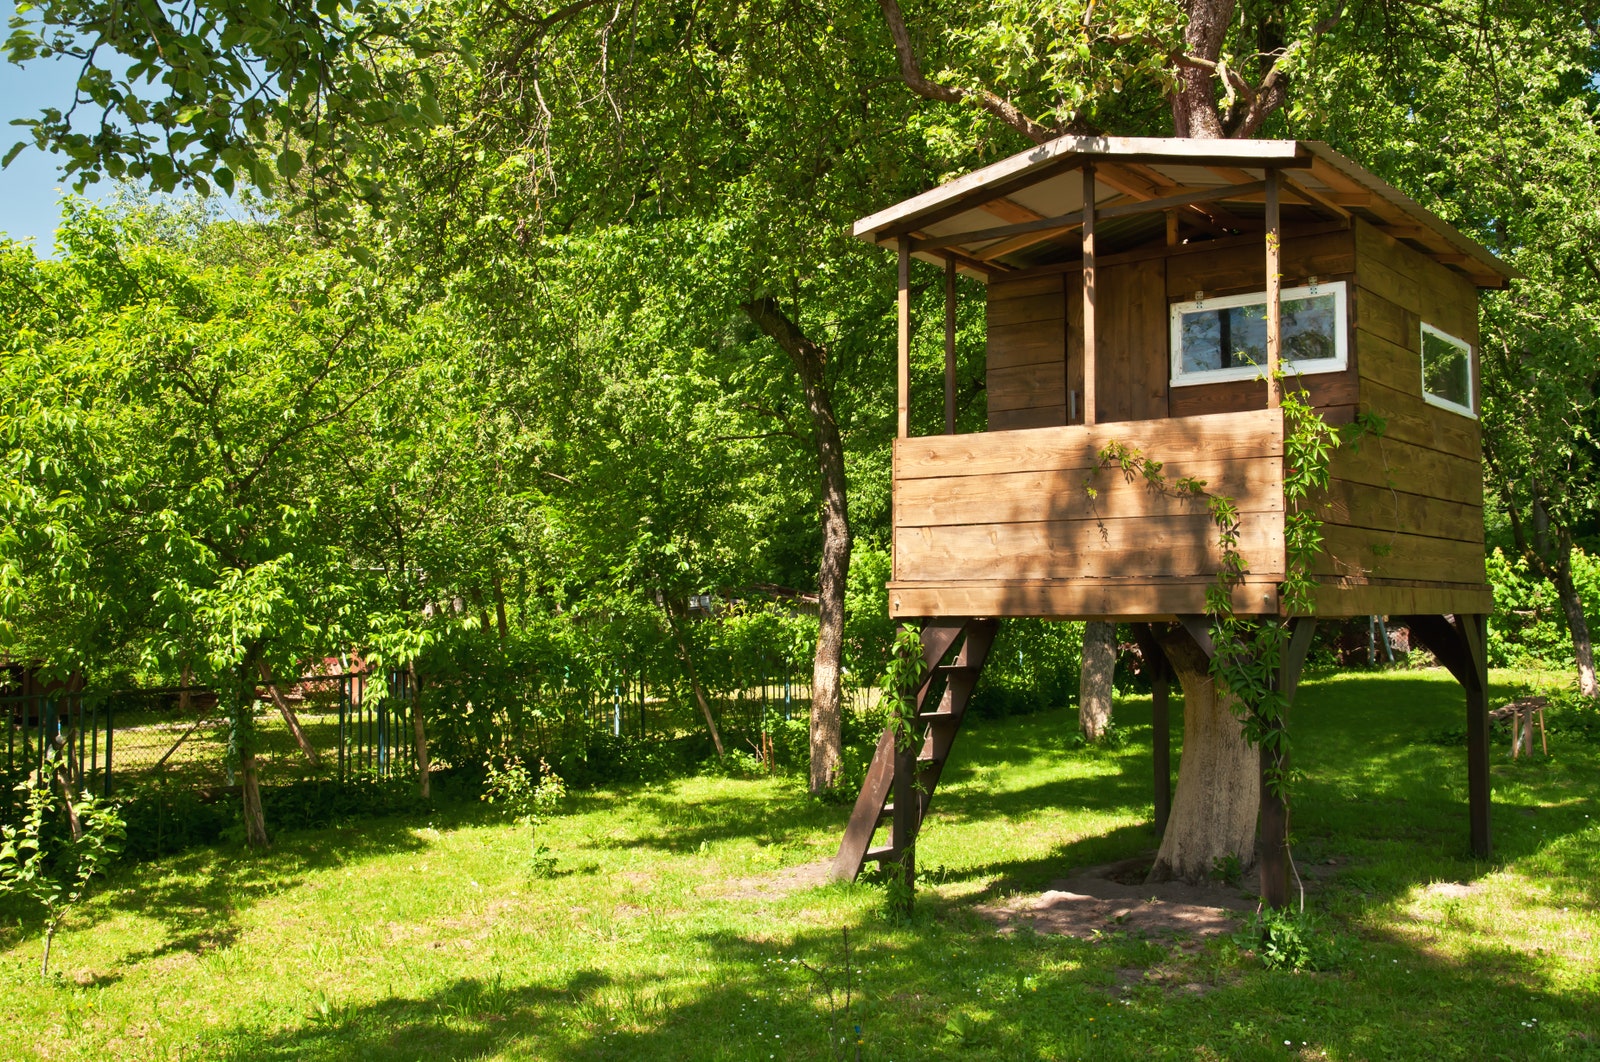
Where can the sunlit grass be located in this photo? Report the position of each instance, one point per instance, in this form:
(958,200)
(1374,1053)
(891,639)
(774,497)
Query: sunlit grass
(422,937)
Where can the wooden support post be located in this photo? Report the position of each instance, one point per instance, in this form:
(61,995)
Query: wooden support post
(1274,286)
(1088,295)
(1172,228)
(1160,723)
(1475,633)
(949,346)
(903,347)
(1273,824)
(1462,646)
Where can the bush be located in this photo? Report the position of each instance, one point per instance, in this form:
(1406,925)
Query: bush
(1293,940)
(1528,628)
(1032,667)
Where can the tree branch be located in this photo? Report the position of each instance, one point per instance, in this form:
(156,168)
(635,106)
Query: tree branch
(911,73)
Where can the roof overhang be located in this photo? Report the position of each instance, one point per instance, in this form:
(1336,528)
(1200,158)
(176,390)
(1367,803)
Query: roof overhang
(1026,209)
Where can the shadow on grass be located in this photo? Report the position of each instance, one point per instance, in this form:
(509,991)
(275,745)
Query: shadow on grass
(938,989)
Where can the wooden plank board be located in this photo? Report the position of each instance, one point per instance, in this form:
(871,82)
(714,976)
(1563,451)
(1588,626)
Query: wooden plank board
(1131,374)
(1025,419)
(1382,509)
(1019,497)
(1383,361)
(1024,287)
(1010,312)
(1328,390)
(1258,433)
(1029,344)
(1027,386)
(1122,599)
(1441,296)
(1385,462)
(1080,549)
(1370,311)
(1409,419)
(1384,599)
(1328,256)
(1359,555)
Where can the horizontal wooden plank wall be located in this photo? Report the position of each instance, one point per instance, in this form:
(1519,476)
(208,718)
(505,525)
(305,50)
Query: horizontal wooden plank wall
(1404,511)
(1027,352)
(977,514)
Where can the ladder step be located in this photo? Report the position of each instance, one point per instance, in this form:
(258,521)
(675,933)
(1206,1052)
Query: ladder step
(957,670)
(882,852)
(924,762)
(934,717)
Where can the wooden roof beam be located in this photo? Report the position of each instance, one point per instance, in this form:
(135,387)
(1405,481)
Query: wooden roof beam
(1010,210)
(1066,221)
(1146,183)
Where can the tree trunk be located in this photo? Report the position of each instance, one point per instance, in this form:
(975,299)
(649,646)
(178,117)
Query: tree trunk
(1094,679)
(419,734)
(833,574)
(255,823)
(1219,783)
(289,717)
(1578,624)
(1194,100)
(694,681)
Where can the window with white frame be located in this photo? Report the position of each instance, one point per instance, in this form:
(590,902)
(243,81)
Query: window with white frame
(1446,370)
(1225,338)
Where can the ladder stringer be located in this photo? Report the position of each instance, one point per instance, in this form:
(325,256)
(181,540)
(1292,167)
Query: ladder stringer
(952,684)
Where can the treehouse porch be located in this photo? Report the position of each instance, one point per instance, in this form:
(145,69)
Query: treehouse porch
(1148,302)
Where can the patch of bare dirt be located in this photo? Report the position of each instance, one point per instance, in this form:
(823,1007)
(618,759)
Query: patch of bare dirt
(779,884)
(1114,898)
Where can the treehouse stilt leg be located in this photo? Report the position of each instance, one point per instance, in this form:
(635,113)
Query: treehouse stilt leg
(1461,644)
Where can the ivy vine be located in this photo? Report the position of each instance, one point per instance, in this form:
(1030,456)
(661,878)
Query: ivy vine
(1247,651)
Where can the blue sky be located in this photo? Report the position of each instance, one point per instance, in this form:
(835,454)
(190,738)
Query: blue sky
(29,200)
(31,187)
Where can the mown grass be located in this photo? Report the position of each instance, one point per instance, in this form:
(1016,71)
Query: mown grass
(423,938)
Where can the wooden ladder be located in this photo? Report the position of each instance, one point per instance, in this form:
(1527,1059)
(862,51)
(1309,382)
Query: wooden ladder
(900,785)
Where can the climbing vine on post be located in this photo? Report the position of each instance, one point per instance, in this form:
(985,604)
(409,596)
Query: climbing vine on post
(901,679)
(1247,652)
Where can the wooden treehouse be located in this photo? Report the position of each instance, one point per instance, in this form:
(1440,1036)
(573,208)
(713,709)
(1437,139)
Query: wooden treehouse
(1146,293)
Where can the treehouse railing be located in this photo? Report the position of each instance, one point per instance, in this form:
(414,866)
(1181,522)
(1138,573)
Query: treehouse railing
(1042,522)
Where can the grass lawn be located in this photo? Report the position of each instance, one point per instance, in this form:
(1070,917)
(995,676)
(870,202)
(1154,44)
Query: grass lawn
(423,938)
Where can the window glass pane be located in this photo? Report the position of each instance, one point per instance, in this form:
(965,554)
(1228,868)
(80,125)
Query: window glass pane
(1446,370)
(1237,335)
(1309,328)
(1219,339)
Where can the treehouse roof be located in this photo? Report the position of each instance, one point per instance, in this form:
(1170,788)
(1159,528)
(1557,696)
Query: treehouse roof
(1027,210)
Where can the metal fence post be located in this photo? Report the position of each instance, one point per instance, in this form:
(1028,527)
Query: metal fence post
(110,722)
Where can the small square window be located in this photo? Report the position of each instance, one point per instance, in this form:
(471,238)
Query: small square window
(1217,340)
(1446,370)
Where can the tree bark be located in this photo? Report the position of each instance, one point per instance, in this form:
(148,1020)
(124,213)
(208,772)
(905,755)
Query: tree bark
(1577,624)
(1219,784)
(1194,100)
(419,734)
(289,716)
(694,681)
(255,823)
(1094,679)
(810,361)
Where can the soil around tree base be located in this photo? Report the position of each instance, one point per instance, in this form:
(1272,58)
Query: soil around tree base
(1114,898)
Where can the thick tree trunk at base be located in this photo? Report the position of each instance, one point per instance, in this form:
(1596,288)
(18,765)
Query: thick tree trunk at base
(1578,624)
(1219,783)
(1094,679)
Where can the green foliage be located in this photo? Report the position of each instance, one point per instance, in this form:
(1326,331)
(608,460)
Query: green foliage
(1293,941)
(1528,627)
(41,861)
(901,678)
(529,800)
(1032,667)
